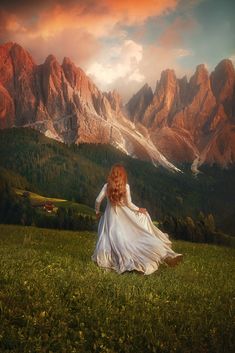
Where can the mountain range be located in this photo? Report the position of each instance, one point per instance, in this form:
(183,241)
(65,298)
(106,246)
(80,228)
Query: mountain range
(181,121)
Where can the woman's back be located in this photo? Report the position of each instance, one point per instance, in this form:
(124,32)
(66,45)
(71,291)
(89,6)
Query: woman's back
(127,238)
(125,200)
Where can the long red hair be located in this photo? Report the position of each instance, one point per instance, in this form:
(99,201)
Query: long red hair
(116,188)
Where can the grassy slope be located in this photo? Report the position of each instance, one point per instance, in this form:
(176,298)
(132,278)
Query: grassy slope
(38,199)
(53,298)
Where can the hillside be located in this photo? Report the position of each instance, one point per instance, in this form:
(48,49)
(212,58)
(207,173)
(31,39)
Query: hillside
(29,160)
(37,200)
(53,298)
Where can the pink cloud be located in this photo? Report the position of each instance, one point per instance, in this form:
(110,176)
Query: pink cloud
(72,28)
(76,29)
(81,47)
(174,34)
(157,59)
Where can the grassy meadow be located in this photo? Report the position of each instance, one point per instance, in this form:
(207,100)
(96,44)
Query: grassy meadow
(37,199)
(53,298)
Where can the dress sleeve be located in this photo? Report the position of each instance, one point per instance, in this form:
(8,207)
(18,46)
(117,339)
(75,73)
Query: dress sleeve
(100,198)
(130,204)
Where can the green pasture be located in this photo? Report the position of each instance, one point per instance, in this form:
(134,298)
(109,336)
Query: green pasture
(53,298)
(37,199)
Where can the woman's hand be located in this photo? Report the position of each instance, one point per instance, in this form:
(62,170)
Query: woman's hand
(142,210)
(98,215)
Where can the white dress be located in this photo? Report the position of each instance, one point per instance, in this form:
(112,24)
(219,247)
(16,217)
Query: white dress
(128,240)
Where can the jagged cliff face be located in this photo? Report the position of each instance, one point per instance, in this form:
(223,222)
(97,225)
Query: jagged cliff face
(180,121)
(63,103)
(139,103)
(193,120)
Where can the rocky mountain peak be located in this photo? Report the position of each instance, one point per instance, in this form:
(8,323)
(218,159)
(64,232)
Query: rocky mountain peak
(77,78)
(183,80)
(52,75)
(115,100)
(200,77)
(21,57)
(50,60)
(223,83)
(190,119)
(180,121)
(225,66)
(183,88)
(167,80)
(165,101)
(68,62)
(168,76)
(146,90)
(62,102)
(51,64)
(70,71)
(199,88)
(139,102)
(7,46)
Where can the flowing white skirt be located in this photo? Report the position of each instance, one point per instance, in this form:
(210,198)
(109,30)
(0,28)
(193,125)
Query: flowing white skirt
(130,241)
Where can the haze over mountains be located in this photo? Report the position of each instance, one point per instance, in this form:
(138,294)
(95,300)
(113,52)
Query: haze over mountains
(180,121)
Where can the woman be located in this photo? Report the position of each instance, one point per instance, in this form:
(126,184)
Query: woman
(127,238)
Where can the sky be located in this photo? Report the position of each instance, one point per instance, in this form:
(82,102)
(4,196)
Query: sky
(123,44)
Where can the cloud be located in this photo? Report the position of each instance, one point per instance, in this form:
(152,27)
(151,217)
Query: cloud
(76,28)
(175,33)
(156,59)
(128,11)
(96,35)
(119,62)
(80,46)
(132,11)
(129,66)
(46,18)
(181,52)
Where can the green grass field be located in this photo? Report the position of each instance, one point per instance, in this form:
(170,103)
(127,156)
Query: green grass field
(38,199)
(54,299)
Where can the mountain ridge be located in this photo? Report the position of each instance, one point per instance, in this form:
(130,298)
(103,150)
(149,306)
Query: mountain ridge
(62,102)
(192,120)
(181,121)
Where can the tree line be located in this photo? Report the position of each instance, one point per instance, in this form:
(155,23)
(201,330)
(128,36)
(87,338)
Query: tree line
(18,210)
(30,160)
(201,229)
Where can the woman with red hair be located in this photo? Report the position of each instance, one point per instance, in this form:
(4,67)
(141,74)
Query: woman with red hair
(127,238)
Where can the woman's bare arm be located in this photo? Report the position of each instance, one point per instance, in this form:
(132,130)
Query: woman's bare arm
(100,198)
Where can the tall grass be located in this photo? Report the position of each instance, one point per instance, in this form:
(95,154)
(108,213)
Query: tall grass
(54,299)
